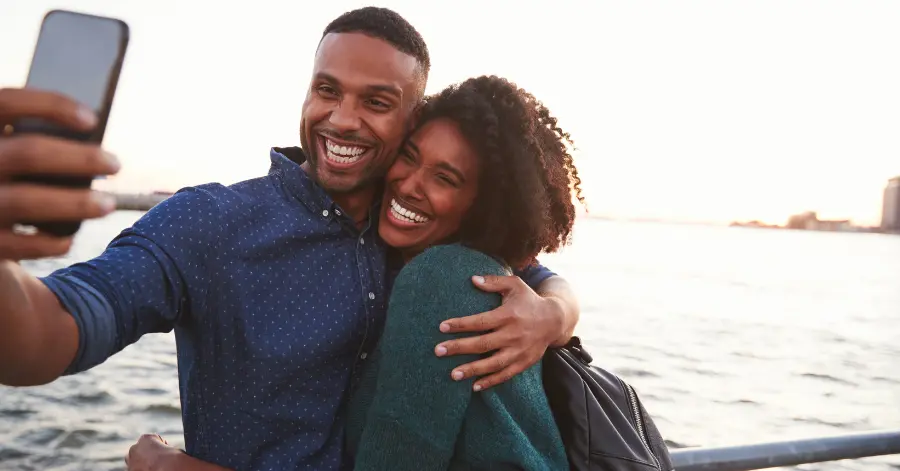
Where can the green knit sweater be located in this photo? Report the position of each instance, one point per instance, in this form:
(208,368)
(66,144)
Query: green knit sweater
(408,414)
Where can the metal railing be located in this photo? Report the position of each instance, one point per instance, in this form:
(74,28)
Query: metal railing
(787,453)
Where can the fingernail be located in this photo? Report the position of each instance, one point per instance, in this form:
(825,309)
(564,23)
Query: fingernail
(106,202)
(476,388)
(87,116)
(112,160)
(457,375)
(445,327)
(440,350)
(478,279)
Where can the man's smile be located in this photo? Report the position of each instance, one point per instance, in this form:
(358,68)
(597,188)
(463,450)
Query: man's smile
(341,154)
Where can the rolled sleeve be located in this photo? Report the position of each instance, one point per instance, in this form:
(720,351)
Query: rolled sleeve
(535,274)
(93,316)
(144,282)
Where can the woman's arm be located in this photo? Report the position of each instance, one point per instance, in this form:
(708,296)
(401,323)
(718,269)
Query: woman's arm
(417,410)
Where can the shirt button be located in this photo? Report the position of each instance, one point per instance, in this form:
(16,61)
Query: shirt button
(371,295)
(362,241)
(325,212)
(363,356)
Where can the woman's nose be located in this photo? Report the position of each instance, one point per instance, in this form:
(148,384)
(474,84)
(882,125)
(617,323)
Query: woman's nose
(411,186)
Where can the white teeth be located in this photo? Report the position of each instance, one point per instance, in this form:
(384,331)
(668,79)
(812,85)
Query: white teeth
(343,154)
(406,215)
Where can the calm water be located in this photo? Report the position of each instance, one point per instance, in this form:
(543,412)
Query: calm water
(730,335)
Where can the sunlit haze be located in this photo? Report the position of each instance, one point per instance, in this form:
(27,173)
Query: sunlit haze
(691,110)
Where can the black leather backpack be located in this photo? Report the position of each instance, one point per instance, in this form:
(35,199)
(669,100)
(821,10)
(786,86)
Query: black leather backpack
(601,420)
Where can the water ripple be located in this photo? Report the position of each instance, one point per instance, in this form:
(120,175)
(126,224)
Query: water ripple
(164,409)
(827,378)
(636,373)
(146,391)
(845,425)
(16,413)
(703,372)
(42,436)
(737,402)
(78,438)
(7,453)
(97,397)
(884,379)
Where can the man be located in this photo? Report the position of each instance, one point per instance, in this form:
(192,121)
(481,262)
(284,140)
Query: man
(275,287)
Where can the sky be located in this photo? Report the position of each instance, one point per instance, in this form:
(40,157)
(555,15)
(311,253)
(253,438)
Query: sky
(702,111)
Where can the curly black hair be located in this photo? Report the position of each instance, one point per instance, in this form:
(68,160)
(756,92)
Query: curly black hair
(524,205)
(389,26)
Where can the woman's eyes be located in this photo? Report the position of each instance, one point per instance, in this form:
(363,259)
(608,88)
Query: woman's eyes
(442,177)
(448,180)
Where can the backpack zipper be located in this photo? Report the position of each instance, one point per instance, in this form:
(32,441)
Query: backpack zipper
(639,421)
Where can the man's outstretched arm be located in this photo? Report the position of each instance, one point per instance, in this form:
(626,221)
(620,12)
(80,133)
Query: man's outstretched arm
(74,319)
(519,331)
(38,338)
(94,309)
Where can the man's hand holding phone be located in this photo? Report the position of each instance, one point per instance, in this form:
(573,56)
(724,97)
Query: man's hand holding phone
(26,155)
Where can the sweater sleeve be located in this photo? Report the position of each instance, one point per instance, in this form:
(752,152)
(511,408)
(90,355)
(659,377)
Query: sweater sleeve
(417,410)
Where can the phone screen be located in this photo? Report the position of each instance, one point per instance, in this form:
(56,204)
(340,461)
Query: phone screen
(78,56)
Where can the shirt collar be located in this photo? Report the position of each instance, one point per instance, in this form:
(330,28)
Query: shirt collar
(285,165)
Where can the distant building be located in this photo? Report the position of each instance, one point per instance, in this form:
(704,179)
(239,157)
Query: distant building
(890,213)
(810,221)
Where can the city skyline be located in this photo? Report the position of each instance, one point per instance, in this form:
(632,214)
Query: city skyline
(680,111)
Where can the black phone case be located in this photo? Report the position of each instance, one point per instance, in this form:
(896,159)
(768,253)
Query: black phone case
(30,125)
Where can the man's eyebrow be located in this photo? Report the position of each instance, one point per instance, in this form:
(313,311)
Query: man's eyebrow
(374,88)
(327,77)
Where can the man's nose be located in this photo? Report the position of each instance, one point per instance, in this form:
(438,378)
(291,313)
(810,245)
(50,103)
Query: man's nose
(345,117)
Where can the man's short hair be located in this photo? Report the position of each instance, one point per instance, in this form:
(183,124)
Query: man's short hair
(388,26)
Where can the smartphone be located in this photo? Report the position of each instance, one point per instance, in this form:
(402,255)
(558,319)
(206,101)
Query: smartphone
(80,56)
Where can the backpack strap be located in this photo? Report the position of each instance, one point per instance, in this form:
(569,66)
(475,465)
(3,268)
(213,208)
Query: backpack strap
(574,346)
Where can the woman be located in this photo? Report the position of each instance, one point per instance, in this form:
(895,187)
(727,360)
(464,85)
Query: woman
(482,185)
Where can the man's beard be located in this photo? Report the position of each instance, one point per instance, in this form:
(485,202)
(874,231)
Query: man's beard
(367,179)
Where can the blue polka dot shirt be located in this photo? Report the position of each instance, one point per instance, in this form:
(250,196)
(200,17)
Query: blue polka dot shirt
(276,299)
